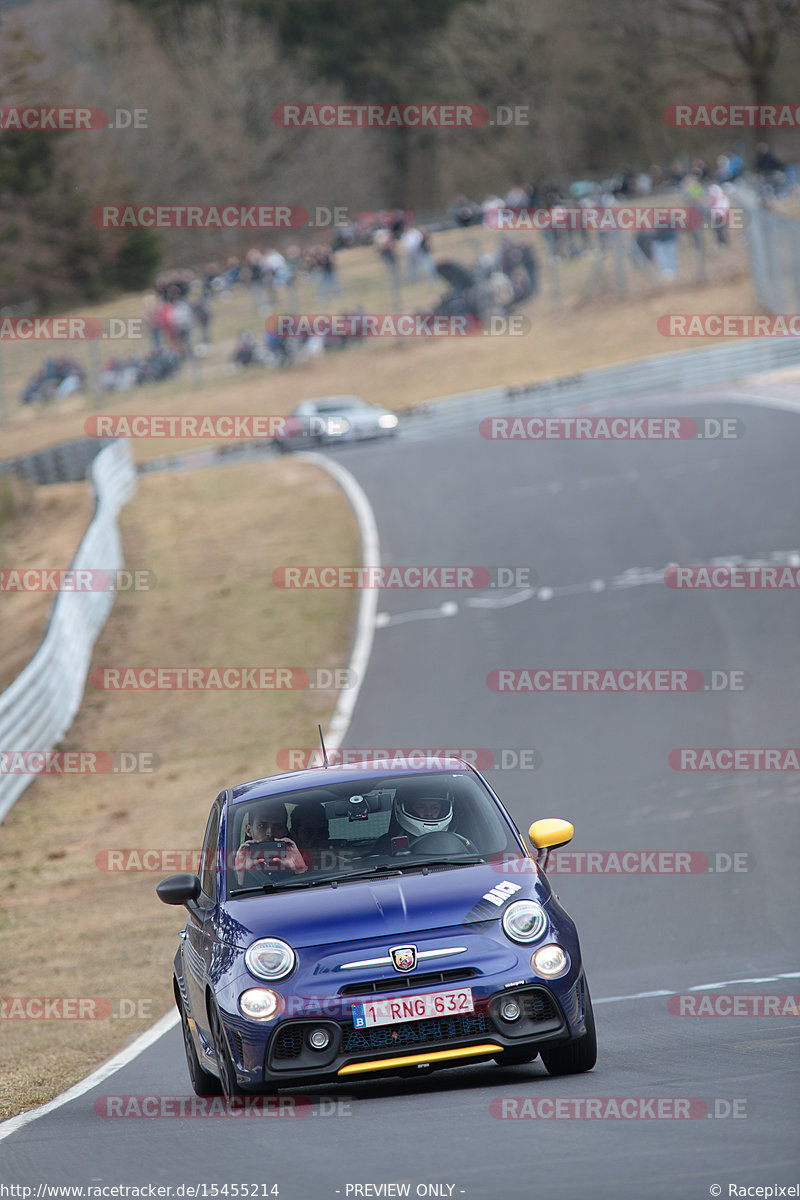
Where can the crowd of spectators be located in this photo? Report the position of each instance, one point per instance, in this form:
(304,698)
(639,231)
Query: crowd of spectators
(697,185)
(276,350)
(122,374)
(178,311)
(59,376)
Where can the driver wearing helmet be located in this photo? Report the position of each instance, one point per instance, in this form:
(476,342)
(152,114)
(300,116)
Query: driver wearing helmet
(419,815)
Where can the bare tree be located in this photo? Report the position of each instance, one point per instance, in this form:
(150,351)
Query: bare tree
(734,42)
(207,87)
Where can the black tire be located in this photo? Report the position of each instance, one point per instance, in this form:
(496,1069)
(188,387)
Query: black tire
(203,1082)
(516,1056)
(575,1057)
(227,1071)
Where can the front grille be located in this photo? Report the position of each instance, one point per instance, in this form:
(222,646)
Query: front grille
(398,982)
(414,1033)
(539,1005)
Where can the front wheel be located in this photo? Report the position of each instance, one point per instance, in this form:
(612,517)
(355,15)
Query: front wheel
(578,1056)
(203,1082)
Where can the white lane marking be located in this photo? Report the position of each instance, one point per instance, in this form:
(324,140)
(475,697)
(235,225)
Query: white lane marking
(448,609)
(700,987)
(760,401)
(368,600)
(171,1019)
(502,601)
(630,578)
(108,1068)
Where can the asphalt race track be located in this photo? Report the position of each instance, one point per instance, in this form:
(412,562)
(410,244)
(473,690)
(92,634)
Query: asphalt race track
(598,523)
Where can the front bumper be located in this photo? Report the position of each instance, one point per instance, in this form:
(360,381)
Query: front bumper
(284,1056)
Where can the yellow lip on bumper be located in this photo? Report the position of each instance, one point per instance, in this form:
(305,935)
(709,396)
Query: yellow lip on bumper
(410,1060)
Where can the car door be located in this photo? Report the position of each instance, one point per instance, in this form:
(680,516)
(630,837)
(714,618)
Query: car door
(197,946)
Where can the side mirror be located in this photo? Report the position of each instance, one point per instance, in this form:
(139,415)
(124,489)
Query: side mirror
(550,833)
(178,889)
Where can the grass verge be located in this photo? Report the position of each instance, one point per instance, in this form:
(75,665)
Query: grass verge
(71,929)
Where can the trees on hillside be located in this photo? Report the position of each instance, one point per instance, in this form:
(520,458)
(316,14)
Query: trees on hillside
(592,79)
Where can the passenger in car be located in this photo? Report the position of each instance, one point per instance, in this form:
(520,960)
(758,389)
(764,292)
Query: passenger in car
(268,823)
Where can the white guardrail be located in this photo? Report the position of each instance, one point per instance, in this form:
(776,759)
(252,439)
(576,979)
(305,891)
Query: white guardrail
(40,705)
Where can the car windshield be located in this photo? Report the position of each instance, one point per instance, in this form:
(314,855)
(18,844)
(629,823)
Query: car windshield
(352,830)
(339,406)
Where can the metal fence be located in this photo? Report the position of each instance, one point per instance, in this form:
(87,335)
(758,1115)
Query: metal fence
(774,244)
(40,705)
(66,463)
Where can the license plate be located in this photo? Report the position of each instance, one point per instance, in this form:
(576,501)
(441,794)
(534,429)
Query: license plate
(412,1008)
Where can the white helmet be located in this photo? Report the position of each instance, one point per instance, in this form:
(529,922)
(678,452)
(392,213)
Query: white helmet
(415,814)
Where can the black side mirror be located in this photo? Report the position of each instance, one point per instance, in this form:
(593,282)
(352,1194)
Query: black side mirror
(178,889)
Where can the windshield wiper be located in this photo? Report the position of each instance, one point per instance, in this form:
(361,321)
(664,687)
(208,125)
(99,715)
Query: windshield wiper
(345,877)
(397,868)
(443,862)
(269,887)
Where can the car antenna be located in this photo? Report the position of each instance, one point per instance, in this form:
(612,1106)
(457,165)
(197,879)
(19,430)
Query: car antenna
(322,743)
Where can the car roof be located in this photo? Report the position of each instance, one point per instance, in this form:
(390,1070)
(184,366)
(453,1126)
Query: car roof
(343,400)
(321,777)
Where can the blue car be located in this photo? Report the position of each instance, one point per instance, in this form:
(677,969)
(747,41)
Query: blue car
(348,923)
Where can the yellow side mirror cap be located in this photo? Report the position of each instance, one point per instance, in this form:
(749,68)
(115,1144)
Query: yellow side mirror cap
(550,832)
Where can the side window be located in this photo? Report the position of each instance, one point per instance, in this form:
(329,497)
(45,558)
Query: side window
(208,860)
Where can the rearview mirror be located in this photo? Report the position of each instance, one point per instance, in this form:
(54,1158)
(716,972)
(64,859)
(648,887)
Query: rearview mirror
(178,889)
(549,833)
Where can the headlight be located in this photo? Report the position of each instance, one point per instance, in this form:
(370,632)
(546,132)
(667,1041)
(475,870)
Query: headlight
(337,426)
(259,1004)
(269,958)
(549,961)
(524,921)
(388,421)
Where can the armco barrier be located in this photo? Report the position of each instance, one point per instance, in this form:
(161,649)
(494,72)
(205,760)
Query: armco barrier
(40,705)
(662,374)
(66,463)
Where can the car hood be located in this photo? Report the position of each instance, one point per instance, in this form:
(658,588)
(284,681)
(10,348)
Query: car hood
(359,417)
(392,907)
